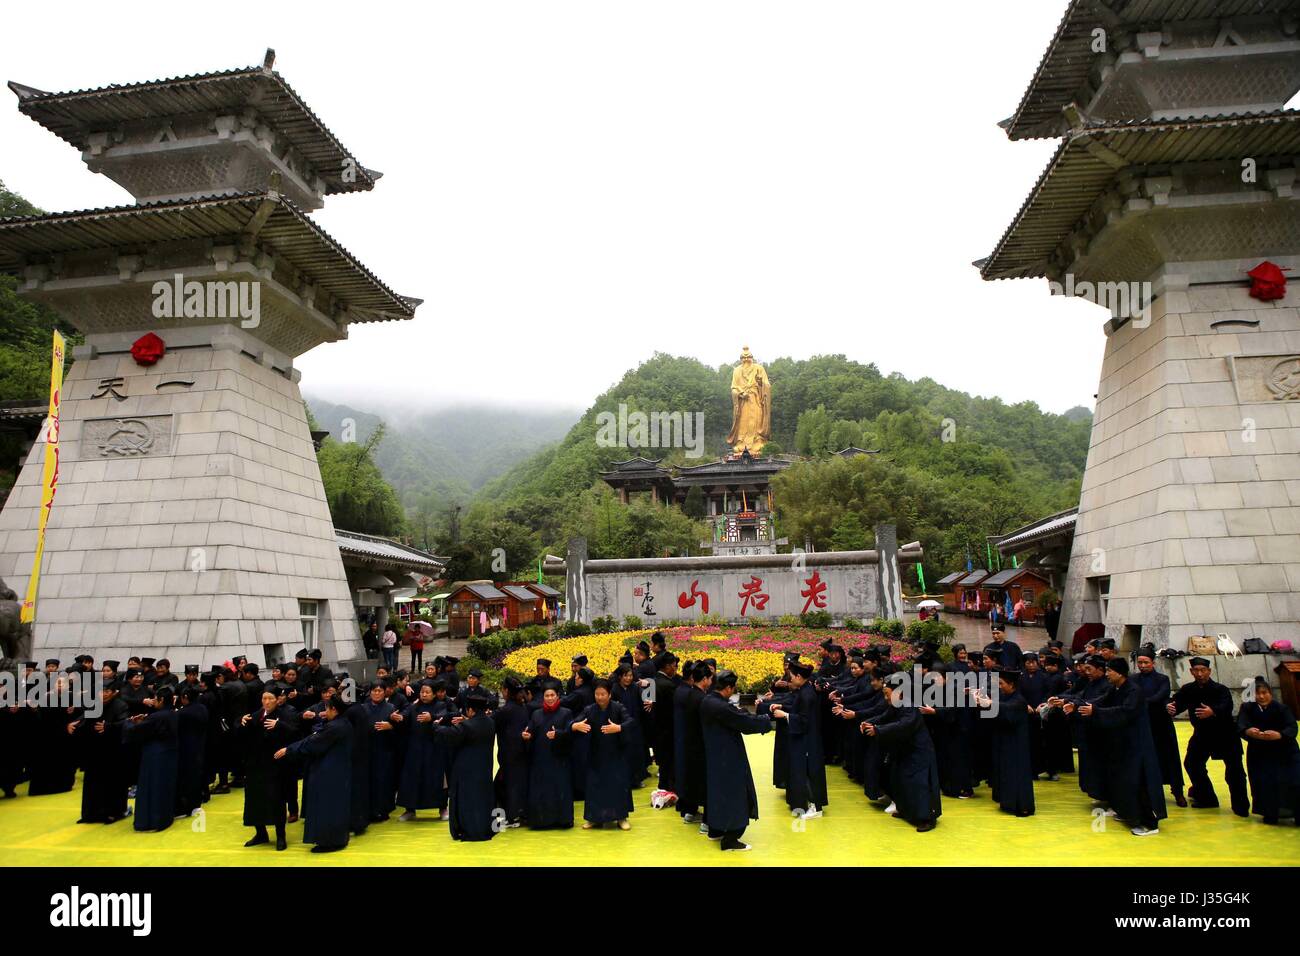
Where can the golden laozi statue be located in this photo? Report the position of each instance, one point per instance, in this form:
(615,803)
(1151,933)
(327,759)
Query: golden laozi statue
(751,406)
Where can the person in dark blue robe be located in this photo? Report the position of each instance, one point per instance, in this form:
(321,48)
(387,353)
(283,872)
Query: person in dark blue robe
(1058,747)
(730,800)
(689,757)
(1088,738)
(608,794)
(99,744)
(425,765)
(52,760)
(1272,758)
(779,696)
(1209,705)
(575,702)
(473,816)
(1155,688)
(1132,770)
(155,733)
(362,729)
(1011,776)
(806,788)
(948,720)
(665,735)
(627,692)
(870,706)
(913,772)
(382,781)
(191,743)
(1033,688)
(855,681)
(511,782)
(327,784)
(550,778)
(267,780)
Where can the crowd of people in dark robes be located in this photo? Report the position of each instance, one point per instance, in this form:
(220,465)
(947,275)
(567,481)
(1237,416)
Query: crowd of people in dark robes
(162,745)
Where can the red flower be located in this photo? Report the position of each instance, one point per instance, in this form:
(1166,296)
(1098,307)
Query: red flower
(1267,282)
(148,349)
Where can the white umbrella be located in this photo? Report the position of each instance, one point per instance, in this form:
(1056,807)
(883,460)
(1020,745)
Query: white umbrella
(424,627)
(928,603)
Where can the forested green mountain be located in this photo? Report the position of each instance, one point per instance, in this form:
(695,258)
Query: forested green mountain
(953,468)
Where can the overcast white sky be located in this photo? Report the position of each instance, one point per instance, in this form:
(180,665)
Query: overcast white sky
(571,186)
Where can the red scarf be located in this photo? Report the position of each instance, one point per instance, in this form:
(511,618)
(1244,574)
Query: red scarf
(550,708)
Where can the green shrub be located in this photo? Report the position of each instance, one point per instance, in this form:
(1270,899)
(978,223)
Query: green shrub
(788,620)
(940,632)
(572,629)
(632,623)
(816,619)
(757,620)
(605,624)
(891,627)
(852,624)
(1047,598)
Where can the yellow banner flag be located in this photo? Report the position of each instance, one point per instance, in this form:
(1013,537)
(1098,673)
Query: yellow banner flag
(49,478)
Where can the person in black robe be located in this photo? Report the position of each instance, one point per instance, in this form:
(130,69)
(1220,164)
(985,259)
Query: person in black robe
(155,733)
(267,780)
(1132,770)
(510,785)
(12,724)
(1058,748)
(1272,758)
(779,696)
(627,691)
(52,761)
(1011,776)
(191,743)
(608,792)
(948,721)
(327,794)
(1006,653)
(382,782)
(689,756)
(99,742)
(1090,688)
(582,696)
(730,800)
(1033,688)
(664,741)
(806,788)
(1155,688)
(362,729)
(473,816)
(425,767)
(866,753)
(1214,735)
(550,778)
(913,772)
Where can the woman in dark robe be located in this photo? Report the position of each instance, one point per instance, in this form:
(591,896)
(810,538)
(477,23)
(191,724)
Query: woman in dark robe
(383,745)
(473,816)
(689,759)
(52,763)
(1272,758)
(267,780)
(155,734)
(1058,748)
(424,769)
(1132,771)
(1155,688)
(730,800)
(805,791)
(327,784)
(781,739)
(628,693)
(99,743)
(191,744)
(511,781)
(1089,688)
(1011,776)
(608,793)
(136,696)
(550,777)
(914,775)
(576,702)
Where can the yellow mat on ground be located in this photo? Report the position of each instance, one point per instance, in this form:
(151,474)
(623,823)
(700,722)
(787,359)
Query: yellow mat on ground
(41,831)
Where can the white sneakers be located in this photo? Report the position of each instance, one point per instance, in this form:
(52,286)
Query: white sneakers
(407,817)
(1143,831)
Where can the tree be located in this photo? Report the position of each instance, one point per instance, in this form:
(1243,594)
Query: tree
(359,497)
(849,534)
(693,506)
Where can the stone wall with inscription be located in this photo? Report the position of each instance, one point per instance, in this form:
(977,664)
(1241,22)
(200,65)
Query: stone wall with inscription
(1189,517)
(739,587)
(189,519)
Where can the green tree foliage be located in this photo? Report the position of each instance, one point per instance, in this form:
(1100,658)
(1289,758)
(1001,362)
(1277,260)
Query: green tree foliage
(359,497)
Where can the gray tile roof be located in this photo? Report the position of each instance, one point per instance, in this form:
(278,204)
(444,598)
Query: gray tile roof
(381,550)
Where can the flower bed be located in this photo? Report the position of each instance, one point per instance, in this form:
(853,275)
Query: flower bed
(755,654)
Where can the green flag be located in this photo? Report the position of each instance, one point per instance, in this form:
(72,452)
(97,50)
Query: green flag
(988,550)
(539,570)
(920,575)
(1015,562)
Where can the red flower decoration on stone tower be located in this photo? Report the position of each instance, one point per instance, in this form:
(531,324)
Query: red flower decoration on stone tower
(148,349)
(1267,282)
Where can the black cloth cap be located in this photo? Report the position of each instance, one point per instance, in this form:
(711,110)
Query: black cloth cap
(1198,662)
